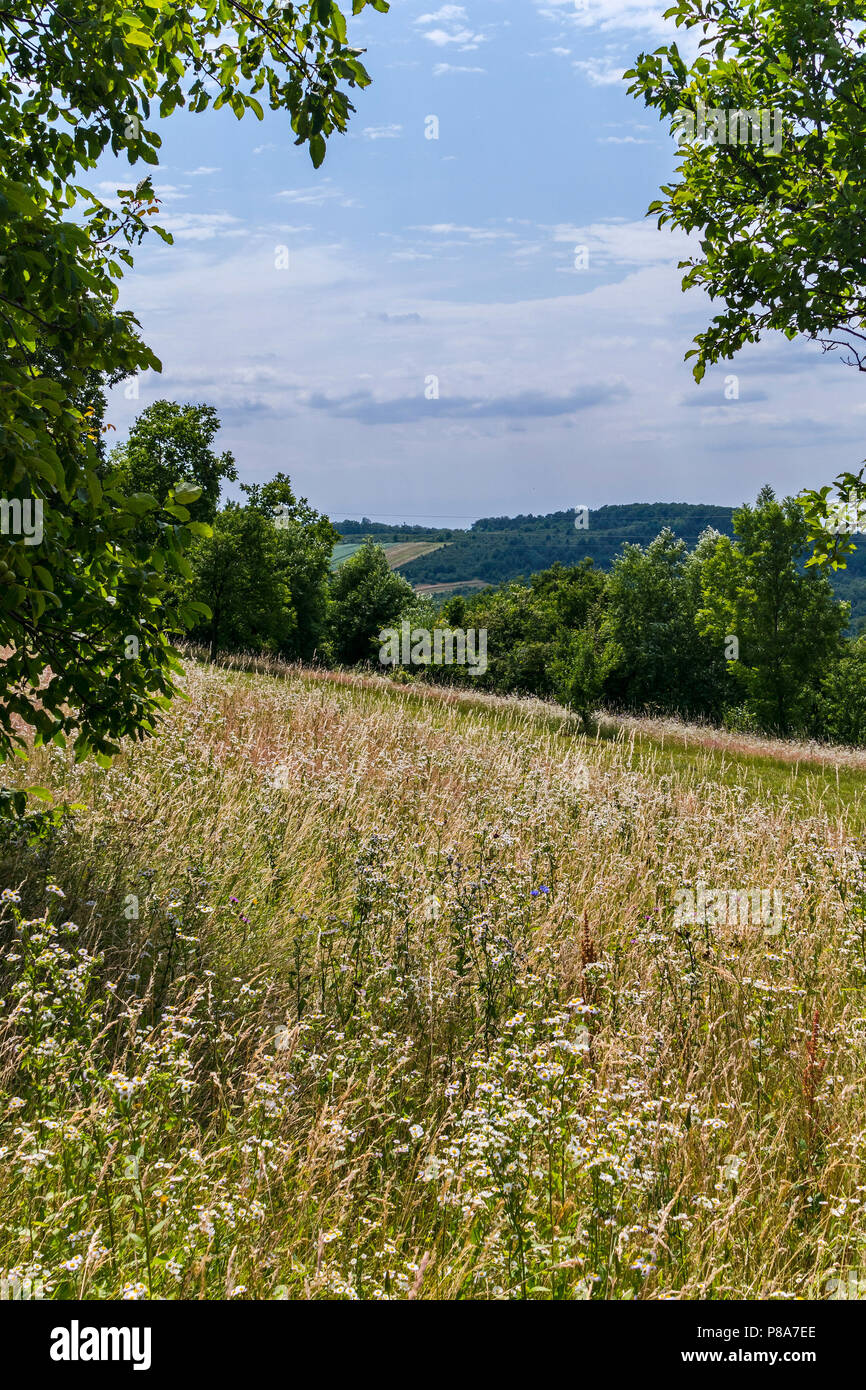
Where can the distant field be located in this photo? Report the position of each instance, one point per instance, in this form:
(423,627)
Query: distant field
(399,554)
(451,588)
(405,551)
(341,553)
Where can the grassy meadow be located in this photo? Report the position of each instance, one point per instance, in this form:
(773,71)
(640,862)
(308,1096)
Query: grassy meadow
(344,989)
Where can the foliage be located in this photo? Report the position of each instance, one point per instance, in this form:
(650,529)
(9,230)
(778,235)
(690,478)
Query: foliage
(659,658)
(304,542)
(168,443)
(843,696)
(529,628)
(236,576)
(577,674)
(366,596)
(787,623)
(779,228)
(500,549)
(79,665)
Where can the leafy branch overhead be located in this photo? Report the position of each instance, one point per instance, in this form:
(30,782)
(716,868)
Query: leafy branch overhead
(777,225)
(779,230)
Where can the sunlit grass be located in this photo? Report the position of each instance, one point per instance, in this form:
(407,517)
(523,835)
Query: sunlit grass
(368,991)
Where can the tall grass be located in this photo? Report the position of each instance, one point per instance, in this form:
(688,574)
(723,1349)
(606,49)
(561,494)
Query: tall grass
(335,991)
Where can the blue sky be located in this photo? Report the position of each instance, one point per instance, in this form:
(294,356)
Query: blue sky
(313,308)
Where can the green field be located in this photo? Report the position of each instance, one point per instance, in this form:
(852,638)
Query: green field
(399,553)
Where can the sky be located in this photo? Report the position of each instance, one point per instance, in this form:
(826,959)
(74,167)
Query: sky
(410,331)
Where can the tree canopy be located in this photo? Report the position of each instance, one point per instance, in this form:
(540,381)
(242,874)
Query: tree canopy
(778,222)
(169,443)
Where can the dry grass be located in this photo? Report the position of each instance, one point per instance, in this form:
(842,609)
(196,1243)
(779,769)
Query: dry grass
(406,1012)
(401,552)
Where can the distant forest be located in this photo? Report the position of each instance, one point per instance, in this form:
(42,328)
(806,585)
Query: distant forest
(497,549)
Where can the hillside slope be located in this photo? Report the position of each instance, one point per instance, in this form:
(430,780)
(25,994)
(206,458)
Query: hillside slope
(405,1008)
(498,549)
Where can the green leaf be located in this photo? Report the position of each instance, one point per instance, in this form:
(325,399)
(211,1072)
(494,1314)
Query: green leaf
(41,793)
(185,493)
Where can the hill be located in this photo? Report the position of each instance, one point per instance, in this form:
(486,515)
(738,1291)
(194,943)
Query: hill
(495,550)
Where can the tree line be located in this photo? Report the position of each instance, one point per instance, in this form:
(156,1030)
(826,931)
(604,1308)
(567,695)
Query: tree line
(734,630)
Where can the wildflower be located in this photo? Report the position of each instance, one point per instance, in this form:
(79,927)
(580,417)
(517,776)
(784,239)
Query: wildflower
(130,1292)
(124,1086)
(58,892)
(9,895)
(416,1131)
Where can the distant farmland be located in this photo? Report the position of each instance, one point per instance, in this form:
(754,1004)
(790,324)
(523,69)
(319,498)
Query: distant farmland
(467,584)
(399,554)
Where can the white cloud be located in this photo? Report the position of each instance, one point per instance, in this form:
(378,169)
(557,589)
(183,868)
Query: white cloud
(446,12)
(451,229)
(167,192)
(218,315)
(382,132)
(324,192)
(203,169)
(607,14)
(598,71)
(626,243)
(454,28)
(202,226)
(443,69)
(464,37)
